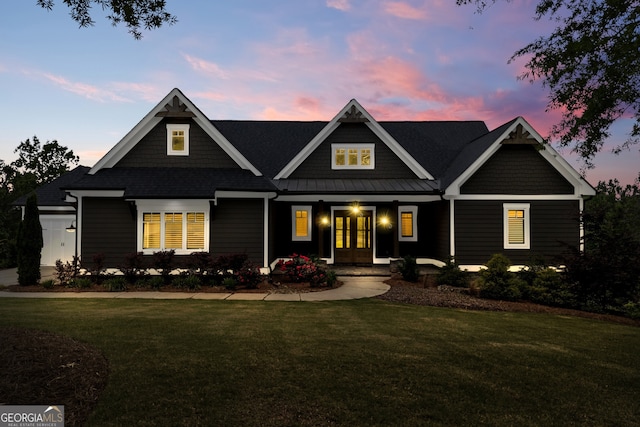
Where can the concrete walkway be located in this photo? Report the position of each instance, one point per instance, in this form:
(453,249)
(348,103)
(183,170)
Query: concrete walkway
(354,287)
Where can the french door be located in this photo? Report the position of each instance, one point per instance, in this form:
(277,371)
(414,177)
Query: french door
(353,234)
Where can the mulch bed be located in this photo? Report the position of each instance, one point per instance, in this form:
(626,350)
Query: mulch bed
(425,292)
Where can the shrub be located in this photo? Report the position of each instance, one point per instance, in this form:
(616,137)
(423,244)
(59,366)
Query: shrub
(132,267)
(189,281)
(497,282)
(230,283)
(248,276)
(332,278)
(549,288)
(163,263)
(199,263)
(48,284)
(29,244)
(115,284)
(301,268)
(451,275)
(408,268)
(225,264)
(66,271)
(155,282)
(80,283)
(97,267)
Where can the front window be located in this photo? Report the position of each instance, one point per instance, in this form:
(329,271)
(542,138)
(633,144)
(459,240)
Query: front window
(408,228)
(516,226)
(177,140)
(181,228)
(352,156)
(301,223)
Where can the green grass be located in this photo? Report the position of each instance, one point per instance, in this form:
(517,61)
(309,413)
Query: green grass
(346,363)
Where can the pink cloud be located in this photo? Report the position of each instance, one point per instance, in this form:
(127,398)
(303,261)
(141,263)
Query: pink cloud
(205,67)
(85,90)
(342,5)
(404,11)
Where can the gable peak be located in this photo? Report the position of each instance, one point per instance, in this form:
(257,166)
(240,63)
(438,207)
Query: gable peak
(520,136)
(176,108)
(353,114)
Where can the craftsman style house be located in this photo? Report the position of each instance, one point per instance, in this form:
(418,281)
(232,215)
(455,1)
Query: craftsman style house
(352,190)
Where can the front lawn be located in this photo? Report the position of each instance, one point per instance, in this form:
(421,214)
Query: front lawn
(345,363)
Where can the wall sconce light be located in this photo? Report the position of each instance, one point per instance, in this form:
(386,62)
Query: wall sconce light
(324,221)
(355,209)
(71,228)
(384,222)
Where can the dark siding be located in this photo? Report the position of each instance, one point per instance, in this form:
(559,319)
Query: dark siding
(237,227)
(517,169)
(318,164)
(479,230)
(151,151)
(284,246)
(109,227)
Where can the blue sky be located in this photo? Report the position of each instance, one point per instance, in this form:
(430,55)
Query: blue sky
(276,60)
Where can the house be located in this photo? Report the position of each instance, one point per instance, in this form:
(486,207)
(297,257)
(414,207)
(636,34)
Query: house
(351,191)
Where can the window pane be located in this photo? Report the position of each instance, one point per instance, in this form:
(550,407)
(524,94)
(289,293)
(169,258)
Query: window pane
(173,231)
(363,232)
(406,224)
(353,157)
(151,231)
(177,140)
(340,157)
(516,226)
(302,223)
(365,156)
(195,230)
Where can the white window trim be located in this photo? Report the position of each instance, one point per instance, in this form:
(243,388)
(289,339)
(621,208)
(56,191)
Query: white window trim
(359,147)
(414,215)
(170,128)
(526,207)
(295,237)
(172,206)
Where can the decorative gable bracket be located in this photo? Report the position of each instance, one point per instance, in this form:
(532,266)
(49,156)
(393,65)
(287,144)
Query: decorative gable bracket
(353,115)
(176,109)
(520,136)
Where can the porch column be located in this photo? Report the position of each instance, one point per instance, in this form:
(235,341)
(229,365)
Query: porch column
(395,229)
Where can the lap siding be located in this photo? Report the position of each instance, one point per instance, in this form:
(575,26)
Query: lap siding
(237,226)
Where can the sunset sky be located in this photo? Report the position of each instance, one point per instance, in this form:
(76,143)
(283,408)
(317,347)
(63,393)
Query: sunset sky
(273,60)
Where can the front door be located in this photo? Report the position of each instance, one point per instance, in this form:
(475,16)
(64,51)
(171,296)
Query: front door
(353,237)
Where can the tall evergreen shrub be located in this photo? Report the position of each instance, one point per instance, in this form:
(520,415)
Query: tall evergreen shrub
(29,244)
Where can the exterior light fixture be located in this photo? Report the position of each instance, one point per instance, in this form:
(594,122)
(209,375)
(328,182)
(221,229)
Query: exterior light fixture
(355,209)
(324,220)
(71,228)
(384,221)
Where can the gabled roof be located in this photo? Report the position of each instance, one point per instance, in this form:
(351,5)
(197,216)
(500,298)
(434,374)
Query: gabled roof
(354,112)
(177,105)
(518,131)
(52,194)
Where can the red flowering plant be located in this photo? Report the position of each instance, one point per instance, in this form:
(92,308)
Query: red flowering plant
(302,268)
(248,276)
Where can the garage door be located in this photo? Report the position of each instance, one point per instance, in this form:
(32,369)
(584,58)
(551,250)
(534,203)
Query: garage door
(58,243)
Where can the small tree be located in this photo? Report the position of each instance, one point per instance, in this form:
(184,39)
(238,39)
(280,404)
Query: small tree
(29,244)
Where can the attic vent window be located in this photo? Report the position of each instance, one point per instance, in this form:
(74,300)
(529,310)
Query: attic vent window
(352,156)
(177,140)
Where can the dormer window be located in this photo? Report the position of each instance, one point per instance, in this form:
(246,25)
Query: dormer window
(177,140)
(352,156)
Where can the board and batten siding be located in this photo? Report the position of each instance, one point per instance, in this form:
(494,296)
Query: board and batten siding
(237,226)
(108,227)
(318,163)
(517,169)
(554,224)
(151,151)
